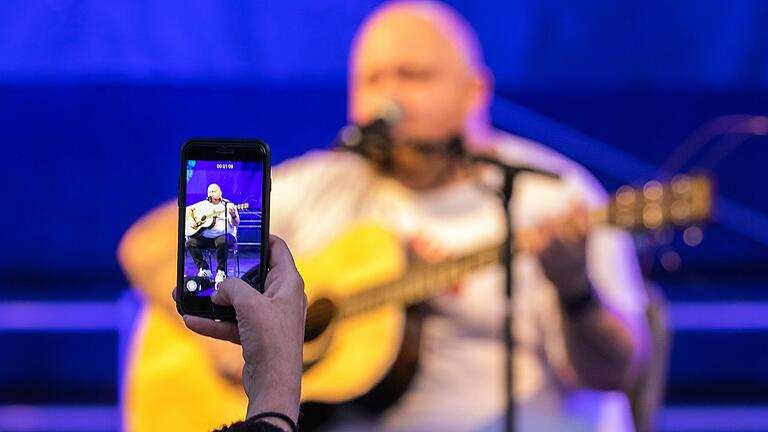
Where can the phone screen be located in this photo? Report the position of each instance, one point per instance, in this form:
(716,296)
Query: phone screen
(223,223)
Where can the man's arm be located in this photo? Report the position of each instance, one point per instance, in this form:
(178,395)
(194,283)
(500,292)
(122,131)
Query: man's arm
(147,254)
(190,215)
(234,216)
(606,346)
(601,347)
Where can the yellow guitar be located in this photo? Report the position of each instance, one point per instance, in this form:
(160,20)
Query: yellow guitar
(358,288)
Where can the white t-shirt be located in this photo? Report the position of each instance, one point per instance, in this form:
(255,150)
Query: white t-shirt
(460,382)
(223,224)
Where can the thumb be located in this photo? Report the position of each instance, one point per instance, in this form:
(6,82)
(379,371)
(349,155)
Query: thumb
(234,292)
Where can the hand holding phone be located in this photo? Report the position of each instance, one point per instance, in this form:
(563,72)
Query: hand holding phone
(224,187)
(270,328)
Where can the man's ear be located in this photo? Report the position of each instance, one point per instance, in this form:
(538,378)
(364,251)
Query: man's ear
(482,87)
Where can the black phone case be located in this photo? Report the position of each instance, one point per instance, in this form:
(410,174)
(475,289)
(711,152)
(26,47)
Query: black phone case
(253,275)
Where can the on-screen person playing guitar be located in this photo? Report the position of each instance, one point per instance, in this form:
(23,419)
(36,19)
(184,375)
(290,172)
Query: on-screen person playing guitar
(211,224)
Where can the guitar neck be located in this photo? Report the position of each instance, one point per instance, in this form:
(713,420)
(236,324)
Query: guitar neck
(237,207)
(422,282)
(681,202)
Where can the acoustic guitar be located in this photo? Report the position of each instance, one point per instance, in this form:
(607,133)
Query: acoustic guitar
(357,325)
(195,223)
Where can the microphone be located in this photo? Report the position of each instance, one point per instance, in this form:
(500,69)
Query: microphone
(373,141)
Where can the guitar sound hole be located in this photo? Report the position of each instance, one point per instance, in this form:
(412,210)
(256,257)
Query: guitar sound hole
(319,316)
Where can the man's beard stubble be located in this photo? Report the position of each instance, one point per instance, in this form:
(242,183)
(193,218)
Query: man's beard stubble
(422,166)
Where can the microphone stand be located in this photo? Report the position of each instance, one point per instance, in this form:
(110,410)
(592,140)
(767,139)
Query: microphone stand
(505,195)
(373,143)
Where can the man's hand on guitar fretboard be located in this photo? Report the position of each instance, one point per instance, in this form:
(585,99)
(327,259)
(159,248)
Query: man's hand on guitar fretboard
(427,250)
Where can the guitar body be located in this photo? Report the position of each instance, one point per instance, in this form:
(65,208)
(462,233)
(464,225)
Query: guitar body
(193,229)
(349,352)
(317,415)
(172,385)
(354,354)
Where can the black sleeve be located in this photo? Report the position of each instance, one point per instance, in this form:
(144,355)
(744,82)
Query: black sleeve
(252,426)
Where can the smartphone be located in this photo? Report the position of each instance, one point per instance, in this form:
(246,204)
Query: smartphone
(224,187)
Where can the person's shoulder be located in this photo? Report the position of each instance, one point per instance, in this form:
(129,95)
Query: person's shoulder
(320,163)
(516,150)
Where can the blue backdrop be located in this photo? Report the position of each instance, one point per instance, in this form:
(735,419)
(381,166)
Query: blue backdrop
(96,98)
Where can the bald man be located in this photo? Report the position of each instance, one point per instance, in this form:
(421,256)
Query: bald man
(580,334)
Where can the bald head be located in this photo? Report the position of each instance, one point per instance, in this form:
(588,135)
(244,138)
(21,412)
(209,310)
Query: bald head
(429,15)
(424,57)
(214,192)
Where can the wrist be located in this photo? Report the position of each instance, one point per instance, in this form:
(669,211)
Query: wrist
(576,302)
(575,286)
(272,395)
(278,420)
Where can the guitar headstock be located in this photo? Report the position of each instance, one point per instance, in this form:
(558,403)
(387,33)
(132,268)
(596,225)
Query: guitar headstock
(683,201)
(242,206)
